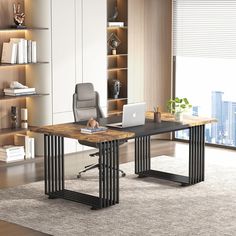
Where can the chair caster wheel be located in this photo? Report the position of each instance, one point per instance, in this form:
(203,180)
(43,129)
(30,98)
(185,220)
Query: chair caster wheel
(123,175)
(79,176)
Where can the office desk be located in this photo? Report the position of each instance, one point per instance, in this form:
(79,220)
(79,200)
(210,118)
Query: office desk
(108,145)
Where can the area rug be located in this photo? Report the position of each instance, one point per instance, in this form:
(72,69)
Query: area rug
(147,206)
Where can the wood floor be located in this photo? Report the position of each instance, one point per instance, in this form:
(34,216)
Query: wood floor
(9,229)
(12,175)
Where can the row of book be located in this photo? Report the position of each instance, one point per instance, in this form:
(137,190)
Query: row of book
(19,51)
(22,149)
(28,143)
(19,91)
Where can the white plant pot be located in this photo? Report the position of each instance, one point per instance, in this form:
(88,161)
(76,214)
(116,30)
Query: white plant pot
(179,116)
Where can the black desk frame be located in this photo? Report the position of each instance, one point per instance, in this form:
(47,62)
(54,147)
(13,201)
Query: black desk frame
(108,173)
(196,158)
(109,166)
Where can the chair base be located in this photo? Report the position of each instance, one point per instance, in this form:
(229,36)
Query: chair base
(93,166)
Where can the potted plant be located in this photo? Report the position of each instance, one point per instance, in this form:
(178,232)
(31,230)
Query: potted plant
(177,106)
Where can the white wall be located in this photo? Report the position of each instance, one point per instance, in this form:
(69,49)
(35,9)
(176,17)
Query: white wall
(78,55)
(95,46)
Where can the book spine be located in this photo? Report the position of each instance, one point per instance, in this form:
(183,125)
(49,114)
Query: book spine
(14,53)
(29,51)
(34,52)
(25,51)
(20,52)
(32,152)
(27,147)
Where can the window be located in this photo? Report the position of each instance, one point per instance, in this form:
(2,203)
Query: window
(205,55)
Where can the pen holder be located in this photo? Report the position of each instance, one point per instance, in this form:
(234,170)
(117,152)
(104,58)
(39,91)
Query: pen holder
(157,117)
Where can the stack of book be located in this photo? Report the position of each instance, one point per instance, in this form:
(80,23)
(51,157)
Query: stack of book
(89,130)
(19,51)
(19,91)
(11,153)
(27,142)
(116,24)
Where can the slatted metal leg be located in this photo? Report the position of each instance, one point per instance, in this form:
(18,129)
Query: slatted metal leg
(142,155)
(53,164)
(109,173)
(196,159)
(196,154)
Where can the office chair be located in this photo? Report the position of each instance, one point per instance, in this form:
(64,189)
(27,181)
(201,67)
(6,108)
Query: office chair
(86,105)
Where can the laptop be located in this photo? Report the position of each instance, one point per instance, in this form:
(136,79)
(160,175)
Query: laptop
(133,115)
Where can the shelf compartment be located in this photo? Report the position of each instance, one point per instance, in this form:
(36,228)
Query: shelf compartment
(115,113)
(116,69)
(123,36)
(3,97)
(117,55)
(120,75)
(117,62)
(117,27)
(24,64)
(10,131)
(115,107)
(116,99)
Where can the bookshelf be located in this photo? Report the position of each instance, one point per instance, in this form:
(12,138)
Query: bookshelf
(117,65)
(30,74)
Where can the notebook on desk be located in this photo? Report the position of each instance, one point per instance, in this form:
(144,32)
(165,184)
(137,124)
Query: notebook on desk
(133,115)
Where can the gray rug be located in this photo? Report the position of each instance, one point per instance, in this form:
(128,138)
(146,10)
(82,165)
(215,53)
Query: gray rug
(147,206)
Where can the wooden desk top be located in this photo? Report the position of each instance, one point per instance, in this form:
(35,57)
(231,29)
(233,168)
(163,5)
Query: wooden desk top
(72,130)
(187,119)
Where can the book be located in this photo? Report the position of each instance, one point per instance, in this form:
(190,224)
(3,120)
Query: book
(10,153)
(16,158)
(18,90)
(89,130)
(31,144)
(34,52)
(11,149)
(25,51)
(9,53)
(20,49)
(116,24)
(29,51)
(20,94)
(22,139)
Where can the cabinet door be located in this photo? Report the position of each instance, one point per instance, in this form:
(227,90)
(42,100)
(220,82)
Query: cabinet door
(63,54)
(94,46)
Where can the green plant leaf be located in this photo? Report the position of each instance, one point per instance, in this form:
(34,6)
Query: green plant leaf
(186,101)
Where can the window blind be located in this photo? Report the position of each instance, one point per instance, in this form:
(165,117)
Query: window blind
(204,28)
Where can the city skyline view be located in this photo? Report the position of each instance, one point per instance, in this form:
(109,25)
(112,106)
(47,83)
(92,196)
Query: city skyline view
(212,95)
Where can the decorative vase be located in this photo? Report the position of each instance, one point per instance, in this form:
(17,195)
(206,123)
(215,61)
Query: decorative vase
(178,116)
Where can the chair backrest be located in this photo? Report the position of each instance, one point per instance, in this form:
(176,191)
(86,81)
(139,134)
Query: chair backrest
(86,103)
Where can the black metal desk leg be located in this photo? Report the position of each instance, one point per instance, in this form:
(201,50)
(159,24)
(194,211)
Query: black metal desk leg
(53,164)
(109,173)
(142,155)
(196,154)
